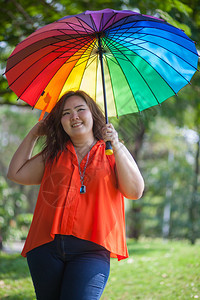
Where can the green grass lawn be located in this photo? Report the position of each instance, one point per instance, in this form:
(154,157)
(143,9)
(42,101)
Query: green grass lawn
(154,270)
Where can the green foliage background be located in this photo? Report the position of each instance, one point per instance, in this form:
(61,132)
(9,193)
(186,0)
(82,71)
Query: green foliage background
(164,140)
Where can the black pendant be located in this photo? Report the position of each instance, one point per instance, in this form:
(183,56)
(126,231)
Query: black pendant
(83,189)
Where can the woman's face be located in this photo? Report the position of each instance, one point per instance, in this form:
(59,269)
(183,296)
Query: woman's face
(76,117)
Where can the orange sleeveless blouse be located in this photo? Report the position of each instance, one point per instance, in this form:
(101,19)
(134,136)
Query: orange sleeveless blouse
(97,216)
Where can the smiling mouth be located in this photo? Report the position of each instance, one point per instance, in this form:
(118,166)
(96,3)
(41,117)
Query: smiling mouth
(77,125)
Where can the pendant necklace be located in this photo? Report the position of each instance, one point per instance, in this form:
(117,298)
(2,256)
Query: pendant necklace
(82,175)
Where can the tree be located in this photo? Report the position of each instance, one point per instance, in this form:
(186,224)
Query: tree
(14,199)
(169,181)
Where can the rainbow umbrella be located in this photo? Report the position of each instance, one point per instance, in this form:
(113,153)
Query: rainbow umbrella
(125,60)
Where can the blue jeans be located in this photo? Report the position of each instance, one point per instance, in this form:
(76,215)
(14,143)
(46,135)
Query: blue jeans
(69,268)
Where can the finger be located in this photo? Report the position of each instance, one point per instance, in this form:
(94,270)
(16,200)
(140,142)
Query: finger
(110,125)
(107,130)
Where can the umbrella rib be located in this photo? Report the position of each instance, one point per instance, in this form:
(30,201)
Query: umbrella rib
(101,21)
(154,70)
(162,60)
(116,56)
(115,50)
(166,63)
(52,78)
(83,70)
(112,17)
(70,23)
(51,44)
(147,34)
(105,58)
(86,37)
(162,48)
(142,78)
(82,56)
(107,34)
(111,58)
(159,22)
(42,33)
(89,38)
(88,33)
(127,84)
(81,26)
(124,19)
(124,32)
(30,67)
(109,28)
(77,17)
(77,55)
(127,17)
(110,35)
(94,25)
(88,48)
(37,62)
(177,54)
(37,75)
(92,59)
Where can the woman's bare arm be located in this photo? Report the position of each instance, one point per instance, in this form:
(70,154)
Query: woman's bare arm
(23,168)
(129,178)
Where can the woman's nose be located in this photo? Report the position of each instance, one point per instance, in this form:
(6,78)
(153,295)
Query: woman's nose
(74,115)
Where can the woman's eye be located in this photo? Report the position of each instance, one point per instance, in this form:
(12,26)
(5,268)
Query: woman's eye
(65,113)
(81,109)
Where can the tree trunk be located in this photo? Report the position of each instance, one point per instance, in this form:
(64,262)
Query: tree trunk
(194,209)
(167,207)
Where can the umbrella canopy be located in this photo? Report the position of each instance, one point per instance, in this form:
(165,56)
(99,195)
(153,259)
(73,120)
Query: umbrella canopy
(145,61)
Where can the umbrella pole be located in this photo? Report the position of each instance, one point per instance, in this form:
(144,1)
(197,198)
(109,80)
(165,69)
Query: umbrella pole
(109,150)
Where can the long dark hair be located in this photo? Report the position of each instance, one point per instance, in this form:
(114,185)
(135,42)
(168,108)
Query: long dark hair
(56,137)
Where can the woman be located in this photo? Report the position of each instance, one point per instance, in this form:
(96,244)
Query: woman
(78,222)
